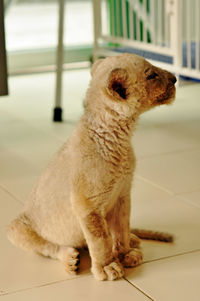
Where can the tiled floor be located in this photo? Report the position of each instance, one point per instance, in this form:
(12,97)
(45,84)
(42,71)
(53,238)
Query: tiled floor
(166,194)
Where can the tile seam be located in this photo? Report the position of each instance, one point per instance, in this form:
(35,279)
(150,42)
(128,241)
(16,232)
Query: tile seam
(36,286)
(173,256)
(178,151)
(10,194)
(139,289)
(138,176)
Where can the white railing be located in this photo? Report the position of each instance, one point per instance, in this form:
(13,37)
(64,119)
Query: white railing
(164,31)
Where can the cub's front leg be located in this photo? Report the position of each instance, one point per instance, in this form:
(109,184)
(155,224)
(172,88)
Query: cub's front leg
(94,226)
(125,245)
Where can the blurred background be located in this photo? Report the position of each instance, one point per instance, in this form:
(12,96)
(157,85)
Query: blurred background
(32,29)
(52,35)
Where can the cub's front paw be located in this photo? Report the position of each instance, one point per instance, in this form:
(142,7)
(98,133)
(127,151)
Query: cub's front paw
(112,271)
(132,258)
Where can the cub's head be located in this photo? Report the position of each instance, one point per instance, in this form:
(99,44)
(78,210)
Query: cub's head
(129,85)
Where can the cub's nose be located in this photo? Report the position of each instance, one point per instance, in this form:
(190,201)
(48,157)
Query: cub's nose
(173,79)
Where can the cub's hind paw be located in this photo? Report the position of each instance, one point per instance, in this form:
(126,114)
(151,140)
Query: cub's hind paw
(72,265)
(70,258)
(133,258)
(134,241)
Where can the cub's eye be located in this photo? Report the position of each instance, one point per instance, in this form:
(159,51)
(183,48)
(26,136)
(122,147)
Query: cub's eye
(152,76)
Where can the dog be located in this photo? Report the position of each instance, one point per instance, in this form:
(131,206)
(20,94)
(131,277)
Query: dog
(83,197)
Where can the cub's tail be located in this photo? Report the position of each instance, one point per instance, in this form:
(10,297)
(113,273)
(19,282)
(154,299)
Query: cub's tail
(153,235)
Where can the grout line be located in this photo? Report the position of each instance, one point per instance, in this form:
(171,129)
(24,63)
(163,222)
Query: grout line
(186,192)
(159,259)
(172,256)
(2,293)
(178,195)
(137,176)
(38,286)
(188,201)
(140,290)
(12,195)
(54,134)
(178,151)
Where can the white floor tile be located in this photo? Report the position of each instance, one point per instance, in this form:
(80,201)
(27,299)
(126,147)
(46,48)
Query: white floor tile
(61,130)
(9,208)
(23,270)
(21,187)
(155,209)
(160,138)
(34,144)
(74,91)
(192,198)
(14,165)
(178,172)
(173,279)
(84,288)
(32,97)
(18,172)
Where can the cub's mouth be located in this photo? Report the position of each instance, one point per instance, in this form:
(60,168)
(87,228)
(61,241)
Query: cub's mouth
(167,97)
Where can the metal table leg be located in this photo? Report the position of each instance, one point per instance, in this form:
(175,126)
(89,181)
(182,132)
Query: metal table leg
(58,97)
(3,65)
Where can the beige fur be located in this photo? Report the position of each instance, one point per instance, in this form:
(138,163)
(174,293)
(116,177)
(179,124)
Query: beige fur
(83,197)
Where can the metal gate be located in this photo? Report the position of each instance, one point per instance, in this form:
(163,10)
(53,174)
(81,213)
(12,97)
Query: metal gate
(163,31)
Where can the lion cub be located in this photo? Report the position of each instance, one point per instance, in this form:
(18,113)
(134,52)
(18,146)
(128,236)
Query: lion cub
(83,197)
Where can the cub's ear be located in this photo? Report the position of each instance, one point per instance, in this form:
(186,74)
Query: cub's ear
(95,65)
(117,84)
